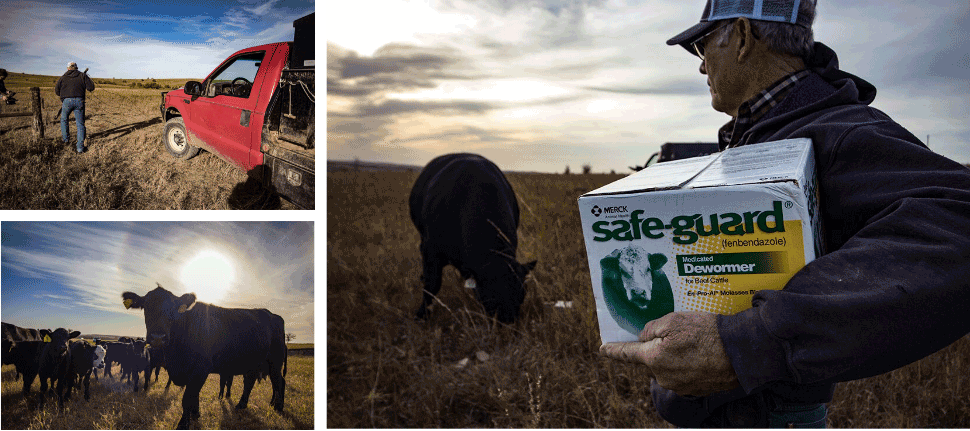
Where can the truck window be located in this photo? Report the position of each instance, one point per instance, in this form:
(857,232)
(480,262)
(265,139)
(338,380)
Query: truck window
(236,78)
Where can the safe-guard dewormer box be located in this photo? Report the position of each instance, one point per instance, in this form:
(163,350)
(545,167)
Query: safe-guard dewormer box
(701,234)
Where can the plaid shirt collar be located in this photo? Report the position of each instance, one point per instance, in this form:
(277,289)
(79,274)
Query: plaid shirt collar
(755,108)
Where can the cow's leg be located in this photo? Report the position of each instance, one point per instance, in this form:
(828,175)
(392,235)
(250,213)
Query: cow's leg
(43,390)
(70,386)
(134,376)
(248,381)
(60,389)
(87,386)
(29,377)
(431,277)
(279,386)
(190,402)
(148,376)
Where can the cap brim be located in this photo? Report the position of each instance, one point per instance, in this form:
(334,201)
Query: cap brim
(690,35)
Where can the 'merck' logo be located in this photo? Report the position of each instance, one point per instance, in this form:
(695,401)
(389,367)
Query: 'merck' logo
(597,211)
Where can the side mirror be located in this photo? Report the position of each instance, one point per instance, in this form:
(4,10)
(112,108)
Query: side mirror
(193,88)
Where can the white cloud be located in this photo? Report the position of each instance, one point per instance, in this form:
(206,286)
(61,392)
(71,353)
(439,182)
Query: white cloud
(96,264)
(45,37)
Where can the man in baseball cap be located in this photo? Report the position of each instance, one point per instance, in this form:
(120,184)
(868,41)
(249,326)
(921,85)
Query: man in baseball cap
(887,289)
(71,88)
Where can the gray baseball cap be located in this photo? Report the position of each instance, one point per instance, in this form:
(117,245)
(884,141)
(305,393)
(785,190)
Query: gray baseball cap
(762,10)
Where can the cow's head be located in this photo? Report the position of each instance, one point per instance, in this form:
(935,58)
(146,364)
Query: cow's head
(161,309)
(636,270)
(501,287)
(57,340)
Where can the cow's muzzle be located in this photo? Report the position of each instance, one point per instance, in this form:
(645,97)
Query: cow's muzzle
(157,340)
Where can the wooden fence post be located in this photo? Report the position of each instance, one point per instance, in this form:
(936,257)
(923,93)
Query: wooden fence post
(38,117)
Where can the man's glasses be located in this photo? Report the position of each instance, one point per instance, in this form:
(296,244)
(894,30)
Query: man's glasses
(698,45)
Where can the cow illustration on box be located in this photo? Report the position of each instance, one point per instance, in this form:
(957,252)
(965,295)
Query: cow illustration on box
(635,287)
(467,215)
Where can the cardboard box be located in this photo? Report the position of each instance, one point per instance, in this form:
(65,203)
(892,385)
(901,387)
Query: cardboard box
(703,234)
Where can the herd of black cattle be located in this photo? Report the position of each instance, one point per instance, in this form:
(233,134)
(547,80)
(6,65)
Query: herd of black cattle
(63,362)
(189,339)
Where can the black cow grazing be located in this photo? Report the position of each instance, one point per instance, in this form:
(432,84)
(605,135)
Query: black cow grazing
(467,215)
(54,363)
(25,357)
(85,358)
(199,339)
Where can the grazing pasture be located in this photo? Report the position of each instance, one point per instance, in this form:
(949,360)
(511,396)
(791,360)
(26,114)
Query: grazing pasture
(125,166)
(113,405)
(460,369)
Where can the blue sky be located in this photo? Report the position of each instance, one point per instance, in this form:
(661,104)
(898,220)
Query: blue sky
(538,85)
(72,274)
(157,39)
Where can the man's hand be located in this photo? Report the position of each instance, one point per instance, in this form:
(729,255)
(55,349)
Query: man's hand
(683,352)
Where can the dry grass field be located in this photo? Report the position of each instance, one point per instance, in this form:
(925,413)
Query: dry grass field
(459,369)
(126,166)
(114,406)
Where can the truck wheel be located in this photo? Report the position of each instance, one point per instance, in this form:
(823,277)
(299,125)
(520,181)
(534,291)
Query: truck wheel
(176,140)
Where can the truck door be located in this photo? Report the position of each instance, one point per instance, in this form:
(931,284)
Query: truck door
(226,118)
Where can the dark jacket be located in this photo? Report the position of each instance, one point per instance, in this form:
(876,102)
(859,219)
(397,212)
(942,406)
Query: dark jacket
(72,84)
(893,286)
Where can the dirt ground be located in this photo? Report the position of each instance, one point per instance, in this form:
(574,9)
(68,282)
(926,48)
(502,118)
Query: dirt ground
(126,165)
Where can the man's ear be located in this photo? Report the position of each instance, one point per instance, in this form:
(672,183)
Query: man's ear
(132,300)
(746,40)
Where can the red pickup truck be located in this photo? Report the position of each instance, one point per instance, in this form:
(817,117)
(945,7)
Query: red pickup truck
(255,111)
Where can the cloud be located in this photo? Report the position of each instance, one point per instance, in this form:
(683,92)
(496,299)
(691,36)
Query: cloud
(88,265)
(505,76)
(45,36)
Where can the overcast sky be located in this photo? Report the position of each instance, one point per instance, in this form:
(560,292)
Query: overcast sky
(72,274)
(138,39)
(539,85)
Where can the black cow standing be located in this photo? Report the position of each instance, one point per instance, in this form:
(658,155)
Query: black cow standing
(137,360)
(54,363)
(13,334)
(116,352)
(199,339)
(85,359)
(25,356)
(467,215)
(157,363)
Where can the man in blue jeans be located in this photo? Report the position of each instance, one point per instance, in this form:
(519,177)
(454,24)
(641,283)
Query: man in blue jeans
(891,286)
(71,87)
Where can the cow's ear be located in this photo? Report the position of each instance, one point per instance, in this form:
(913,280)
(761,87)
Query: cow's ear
(132,300)
(74,334)
(45,335)
(657,261)
(186,302)
(530,266)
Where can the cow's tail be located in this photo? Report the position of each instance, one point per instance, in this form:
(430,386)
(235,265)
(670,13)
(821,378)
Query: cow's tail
(286,358)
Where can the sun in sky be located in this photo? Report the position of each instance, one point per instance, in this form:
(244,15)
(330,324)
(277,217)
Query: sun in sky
(209,274)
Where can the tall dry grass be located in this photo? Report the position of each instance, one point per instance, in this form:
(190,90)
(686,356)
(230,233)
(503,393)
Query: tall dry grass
(126,166)
(113,405)
(459,369)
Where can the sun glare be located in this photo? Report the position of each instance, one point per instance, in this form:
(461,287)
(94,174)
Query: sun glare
(209,274)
